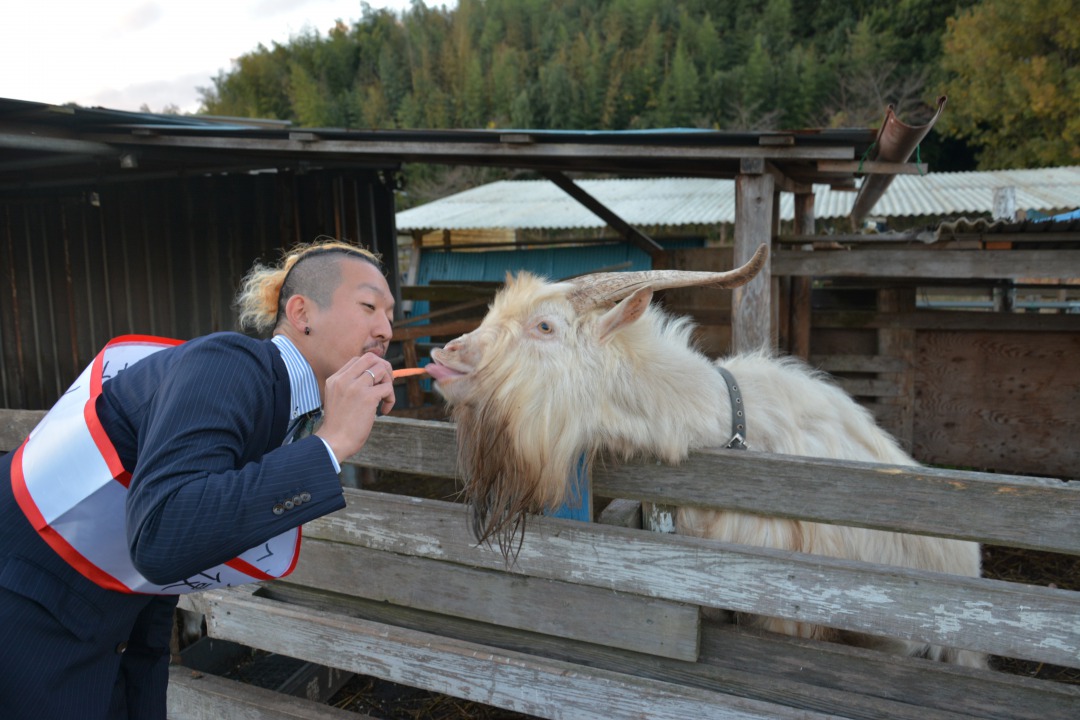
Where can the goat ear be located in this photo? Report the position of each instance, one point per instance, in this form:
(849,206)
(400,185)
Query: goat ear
(627,311)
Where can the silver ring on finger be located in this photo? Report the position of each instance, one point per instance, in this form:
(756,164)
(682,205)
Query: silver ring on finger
(374,380)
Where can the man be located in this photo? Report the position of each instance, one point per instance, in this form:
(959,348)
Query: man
(202,434)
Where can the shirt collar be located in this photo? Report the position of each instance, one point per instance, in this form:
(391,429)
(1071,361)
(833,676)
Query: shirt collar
(303,387)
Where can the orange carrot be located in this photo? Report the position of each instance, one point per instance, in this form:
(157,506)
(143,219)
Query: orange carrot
(409,372)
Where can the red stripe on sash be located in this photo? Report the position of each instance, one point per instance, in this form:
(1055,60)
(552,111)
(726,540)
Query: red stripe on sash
(97,432)
(248,569)
(56,541)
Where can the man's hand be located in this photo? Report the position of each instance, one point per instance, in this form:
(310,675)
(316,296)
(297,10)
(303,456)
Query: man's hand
(353,395)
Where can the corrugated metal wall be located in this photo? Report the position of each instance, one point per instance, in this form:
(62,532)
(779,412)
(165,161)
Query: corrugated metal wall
(165,257)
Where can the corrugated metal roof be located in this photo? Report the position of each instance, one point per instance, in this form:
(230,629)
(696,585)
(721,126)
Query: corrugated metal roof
(539,204)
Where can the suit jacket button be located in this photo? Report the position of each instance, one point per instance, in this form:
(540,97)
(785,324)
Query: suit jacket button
(288,504)
(305,496)
(278,509)
(297,500)
(120,648)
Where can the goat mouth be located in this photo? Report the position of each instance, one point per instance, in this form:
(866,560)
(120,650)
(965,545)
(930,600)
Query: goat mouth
(443,373)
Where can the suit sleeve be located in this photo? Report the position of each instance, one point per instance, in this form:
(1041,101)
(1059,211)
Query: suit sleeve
(203,491)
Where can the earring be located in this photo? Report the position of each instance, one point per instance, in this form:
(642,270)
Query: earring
(307,330)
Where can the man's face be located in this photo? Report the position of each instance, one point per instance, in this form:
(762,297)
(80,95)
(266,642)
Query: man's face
(358,321)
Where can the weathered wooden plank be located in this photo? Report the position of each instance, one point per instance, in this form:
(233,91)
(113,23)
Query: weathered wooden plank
(751,304)
(1003,509)
(646,625)
(199,696)
(924,684)
(806,674)
(1015,410)
(872,166)
(939,238)
(922,500)
(422,447)
(946,320)
(899,344)
(887,416)
(621,512)
(1034,623)
(868,387)
(858,363)
(524,683)
(448,293)
(920,263)
(395,151)
(801,312)
(447,328)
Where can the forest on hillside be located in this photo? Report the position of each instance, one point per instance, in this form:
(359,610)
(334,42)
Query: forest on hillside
(1011,70)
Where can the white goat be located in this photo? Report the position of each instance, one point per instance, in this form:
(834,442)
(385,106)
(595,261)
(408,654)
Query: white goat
(561,370)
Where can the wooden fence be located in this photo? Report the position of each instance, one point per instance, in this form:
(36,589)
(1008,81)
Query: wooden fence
(602,621)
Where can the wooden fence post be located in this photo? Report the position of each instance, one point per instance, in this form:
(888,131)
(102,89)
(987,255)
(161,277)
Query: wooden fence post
(751,304)
(801,287)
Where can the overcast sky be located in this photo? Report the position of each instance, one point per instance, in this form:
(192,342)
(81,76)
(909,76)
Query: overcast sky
(123,54)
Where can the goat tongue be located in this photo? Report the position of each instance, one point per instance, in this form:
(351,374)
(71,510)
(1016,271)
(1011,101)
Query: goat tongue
(442,372)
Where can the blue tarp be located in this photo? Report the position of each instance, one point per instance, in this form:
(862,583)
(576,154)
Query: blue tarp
(1063,217)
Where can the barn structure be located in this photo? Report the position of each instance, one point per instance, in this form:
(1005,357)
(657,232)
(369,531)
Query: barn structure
(116,222)
(534,225)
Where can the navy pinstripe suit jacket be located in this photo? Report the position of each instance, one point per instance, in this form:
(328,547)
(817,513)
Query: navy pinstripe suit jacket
(200,427)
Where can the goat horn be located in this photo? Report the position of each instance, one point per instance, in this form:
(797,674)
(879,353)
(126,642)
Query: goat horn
(607,288)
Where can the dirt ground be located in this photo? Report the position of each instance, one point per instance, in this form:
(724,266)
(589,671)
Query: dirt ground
(389,701)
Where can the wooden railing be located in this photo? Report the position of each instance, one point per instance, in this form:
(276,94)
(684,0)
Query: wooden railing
(600,621)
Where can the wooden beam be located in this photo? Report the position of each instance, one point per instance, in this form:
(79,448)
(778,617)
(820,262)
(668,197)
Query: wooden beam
(525,683)
(647,625)
(449,327)
(947,320)
(200,695)
(770,484)
(751,310)
(830,491)
(858,363)
(899,344)
(1010,619)
(631,233)
(811,674)
(783,182)
(927,263)
(430,151)
(802,287)
(872,167)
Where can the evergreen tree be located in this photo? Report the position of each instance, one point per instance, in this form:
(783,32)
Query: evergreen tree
(1013,77)
(618,64)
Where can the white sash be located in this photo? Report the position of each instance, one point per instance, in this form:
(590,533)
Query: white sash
(68,480)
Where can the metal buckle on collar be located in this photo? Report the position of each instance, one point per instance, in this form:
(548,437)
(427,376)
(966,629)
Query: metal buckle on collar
(737,442)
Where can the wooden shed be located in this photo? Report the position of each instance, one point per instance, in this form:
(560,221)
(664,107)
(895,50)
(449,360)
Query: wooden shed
(115,222)
(395,587)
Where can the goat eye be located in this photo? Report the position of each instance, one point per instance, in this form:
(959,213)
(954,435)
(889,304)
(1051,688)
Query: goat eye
(545,327)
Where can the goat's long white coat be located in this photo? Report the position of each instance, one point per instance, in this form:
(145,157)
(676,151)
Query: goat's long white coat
(541,383)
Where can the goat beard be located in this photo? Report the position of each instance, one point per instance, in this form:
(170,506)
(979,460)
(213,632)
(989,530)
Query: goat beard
(513,464)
